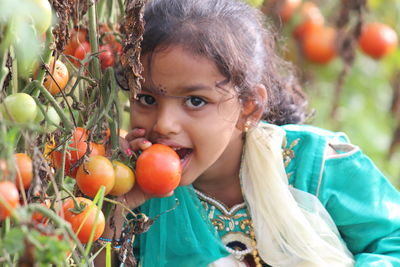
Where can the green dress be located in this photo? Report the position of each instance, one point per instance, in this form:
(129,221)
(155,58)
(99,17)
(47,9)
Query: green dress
(363,204)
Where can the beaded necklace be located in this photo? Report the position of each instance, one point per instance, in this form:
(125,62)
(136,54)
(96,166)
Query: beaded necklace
(234,227)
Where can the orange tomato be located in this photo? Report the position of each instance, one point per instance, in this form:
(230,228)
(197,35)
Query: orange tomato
(9,199)
(83,223)
(319,46)
(75,151)
(377,40)
(78,36)
(39,217)
(96,172)
(97,149)
(23,167)
(158,170)
(311,19)
(287,9)
(58,79)
(124,179)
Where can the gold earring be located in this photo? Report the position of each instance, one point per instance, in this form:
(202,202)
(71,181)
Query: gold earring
(247,125)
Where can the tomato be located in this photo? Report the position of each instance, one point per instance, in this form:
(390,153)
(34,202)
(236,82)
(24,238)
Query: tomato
(8,194)
(124,179)
(58,79)
(287,8)
(41,15)
(106,56)
(158,170)
(377,40)
(19,107)
(81,51)
(53,117)
(39,217)
(319,46)
(23,168)
(311,18)
(94,173)
(75,151)
(83,223)
(78,36)
(97,149)
(4,172)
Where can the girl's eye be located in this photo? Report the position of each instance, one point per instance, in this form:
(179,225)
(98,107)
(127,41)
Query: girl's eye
(195,102)
(146,99)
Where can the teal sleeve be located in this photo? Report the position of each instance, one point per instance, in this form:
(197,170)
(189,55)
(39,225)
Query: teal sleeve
(365,207)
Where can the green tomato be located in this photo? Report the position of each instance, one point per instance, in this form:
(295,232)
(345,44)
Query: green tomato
(53,118)
(41,15)
(19,107)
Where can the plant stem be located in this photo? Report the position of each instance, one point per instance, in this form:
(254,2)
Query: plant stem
(94,63)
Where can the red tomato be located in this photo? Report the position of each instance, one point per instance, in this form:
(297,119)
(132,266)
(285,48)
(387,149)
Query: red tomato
(311,19)
(81,51)
(377,40)
(124,179)
(287,9)
(319,46)
(94,173)
(83,223)
(59,79)
(106,56)
(158,170)
(75,151)
(23,167)
(39,217)
(78,36)
(9,194)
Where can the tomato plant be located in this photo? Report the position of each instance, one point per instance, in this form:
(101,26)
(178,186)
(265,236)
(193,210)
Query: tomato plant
(124,179)
(58,79)
(319,46)
(82,218)
(377,40)
(52,116)
(24,174)
(9,199)
(19,107)
(96,172)
(158,170)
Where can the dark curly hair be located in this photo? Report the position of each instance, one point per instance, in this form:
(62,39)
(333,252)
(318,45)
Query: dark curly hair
(235,37)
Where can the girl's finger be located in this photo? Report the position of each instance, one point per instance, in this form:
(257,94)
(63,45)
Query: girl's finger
(135,133)
(139,144)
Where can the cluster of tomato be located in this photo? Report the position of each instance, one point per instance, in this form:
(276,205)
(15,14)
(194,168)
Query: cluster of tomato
(319,41)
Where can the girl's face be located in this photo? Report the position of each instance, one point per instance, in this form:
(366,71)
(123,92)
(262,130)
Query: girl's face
(181,106)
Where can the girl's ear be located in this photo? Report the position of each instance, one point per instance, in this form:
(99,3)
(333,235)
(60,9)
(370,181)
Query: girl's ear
(253,109)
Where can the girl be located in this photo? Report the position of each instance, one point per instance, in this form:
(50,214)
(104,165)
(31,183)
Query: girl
(252,193)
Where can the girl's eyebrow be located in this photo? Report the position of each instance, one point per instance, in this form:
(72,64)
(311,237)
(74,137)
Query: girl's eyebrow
(184,89)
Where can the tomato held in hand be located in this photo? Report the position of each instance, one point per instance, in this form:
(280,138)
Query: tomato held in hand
(124,179)
(158,170)
(319,46)
(24,173)
(377,40)
(58,79)
(82,223)
(94,173)
(19,107)
(8,194)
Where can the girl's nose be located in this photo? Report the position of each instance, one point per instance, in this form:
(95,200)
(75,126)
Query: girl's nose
(167,121)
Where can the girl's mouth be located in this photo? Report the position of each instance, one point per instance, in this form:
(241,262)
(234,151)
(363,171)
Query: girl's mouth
(184,154)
